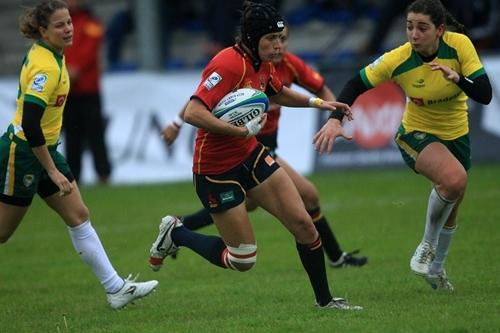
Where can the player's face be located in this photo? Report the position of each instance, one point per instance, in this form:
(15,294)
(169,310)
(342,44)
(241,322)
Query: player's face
(59,31)
(270,46)
(284,46)
(422,34)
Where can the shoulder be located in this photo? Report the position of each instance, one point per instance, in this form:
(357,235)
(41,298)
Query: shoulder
(399,54)
(457,41)
(228,60)
(40,57)
(455,38)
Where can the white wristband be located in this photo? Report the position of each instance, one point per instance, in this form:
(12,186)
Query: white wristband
(177,122)
(315,102)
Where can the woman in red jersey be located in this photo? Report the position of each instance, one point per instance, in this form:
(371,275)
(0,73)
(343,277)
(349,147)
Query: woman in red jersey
(230,165)
(291,69)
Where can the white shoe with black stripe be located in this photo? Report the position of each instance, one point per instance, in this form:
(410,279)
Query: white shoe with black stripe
(131,291)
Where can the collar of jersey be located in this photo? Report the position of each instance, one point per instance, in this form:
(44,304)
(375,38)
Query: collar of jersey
(44,45)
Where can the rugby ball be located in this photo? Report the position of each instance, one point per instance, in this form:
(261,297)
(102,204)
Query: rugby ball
(240,106)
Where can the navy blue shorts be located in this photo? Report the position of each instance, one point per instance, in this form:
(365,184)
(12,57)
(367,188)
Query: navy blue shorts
(219,193)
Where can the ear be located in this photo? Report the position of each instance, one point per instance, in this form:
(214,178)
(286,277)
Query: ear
(441,29)
(43,32)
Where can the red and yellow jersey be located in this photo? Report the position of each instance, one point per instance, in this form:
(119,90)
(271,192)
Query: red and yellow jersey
(229,70)
(292,69)
(44,80)
(434,105)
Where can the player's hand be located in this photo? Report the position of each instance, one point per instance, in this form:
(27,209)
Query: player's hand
(65,187)
(334,105)
(170,134)
(255,125)
(448,73)
(324,139)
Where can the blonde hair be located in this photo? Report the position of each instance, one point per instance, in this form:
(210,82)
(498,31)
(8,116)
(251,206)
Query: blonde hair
(38,16)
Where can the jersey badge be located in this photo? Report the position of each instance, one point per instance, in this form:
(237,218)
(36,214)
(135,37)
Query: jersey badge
(420,83)
(269,160)
(28,180)
(39,82)
(212,81)
(212,202)
(419,136)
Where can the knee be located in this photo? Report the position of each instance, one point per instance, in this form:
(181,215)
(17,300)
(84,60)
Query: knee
(453,187)
(241,258)
(250,205)
(305,232)
(310,198)
(79,215)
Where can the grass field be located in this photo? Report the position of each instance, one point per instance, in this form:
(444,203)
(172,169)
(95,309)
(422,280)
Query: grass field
(44,287)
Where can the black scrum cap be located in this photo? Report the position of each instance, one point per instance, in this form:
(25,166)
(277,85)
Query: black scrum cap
(257,20)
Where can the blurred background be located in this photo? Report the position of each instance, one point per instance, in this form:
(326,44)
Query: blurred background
(152,52)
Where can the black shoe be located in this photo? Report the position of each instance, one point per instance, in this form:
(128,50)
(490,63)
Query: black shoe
(349,259)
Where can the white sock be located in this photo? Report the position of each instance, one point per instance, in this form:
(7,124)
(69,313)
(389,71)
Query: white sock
(89,247)
(438,211)
(443,245)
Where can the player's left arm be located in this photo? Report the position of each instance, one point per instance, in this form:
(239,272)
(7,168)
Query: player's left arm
(479,88)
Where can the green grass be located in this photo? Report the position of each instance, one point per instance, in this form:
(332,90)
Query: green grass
(43,283)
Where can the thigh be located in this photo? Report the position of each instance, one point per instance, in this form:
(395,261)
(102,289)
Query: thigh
(438,164)
(306,189)
(70,207)
(10,218)
(234,226)
(279,196)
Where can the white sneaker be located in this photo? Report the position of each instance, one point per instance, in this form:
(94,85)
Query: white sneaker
(339,303)
(422,259)
(163,245)
(131,291)
(439,281)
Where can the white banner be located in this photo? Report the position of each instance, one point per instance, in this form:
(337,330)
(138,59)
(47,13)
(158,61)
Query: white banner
(137,105)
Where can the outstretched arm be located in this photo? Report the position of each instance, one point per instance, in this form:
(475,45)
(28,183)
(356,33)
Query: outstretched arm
(325,138)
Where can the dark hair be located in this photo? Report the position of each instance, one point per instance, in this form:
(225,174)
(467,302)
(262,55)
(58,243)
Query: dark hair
(437,12)
(38,16)
(257,20)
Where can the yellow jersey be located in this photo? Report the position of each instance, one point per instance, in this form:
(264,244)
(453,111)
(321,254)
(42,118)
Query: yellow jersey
(434,104)
(44,80)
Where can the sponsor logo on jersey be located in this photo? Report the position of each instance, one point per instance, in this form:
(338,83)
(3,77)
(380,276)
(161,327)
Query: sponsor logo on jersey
(60,100)
(212,81)
(419,101)
(39,82)
(28,180)
(420,83)
(226,196)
